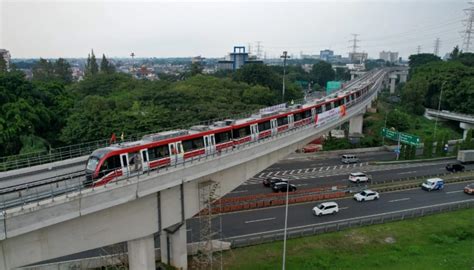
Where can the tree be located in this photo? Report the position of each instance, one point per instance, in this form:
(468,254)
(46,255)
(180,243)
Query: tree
(43,70)
(342,74)
(196,68)
(91,67)
(413,152)
(399,120)
(467,142)
(322,72)
(428,147)
(439,145)
(416,60)
(258,95)
(454,55)
(261,74)
(3,65)
(106,66)
(62,70)
(413,96)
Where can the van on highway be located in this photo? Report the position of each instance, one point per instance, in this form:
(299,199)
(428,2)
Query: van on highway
(347,159)
(433,184)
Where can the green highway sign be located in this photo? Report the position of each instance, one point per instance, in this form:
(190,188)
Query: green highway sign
(404,137)
(409,139)
(390,134)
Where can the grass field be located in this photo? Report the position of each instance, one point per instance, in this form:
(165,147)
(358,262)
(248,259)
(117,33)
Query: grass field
(442,241)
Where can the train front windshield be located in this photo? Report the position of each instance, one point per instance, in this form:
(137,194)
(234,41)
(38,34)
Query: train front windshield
(92,164)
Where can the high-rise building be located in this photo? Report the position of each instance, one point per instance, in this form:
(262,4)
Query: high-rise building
(389,56)
(236,59)
(326,55)
(6,56)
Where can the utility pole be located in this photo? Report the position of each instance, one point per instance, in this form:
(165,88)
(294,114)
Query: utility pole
(286,224)
(418,49)
(133,61)
(439,107)
(284,56)
(468,32)
(436,46)
(250,48)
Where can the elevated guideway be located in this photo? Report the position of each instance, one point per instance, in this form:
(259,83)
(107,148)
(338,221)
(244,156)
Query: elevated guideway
(134,209)
(466,121)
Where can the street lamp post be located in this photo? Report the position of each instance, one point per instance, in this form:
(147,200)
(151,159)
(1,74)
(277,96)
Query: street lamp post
(284,56)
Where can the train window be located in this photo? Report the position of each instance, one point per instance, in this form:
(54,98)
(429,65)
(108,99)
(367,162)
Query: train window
(193,144)
(223,137)
(298,116)
(158,152)
(264,126)
(241,132)
(306,114)
(111,163)
(319,109)
(358,94)
(282,121)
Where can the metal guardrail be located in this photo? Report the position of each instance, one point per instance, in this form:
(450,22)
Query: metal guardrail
(334,226)
(83,149)
(75,183)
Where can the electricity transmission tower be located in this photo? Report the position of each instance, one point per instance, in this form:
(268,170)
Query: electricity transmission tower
(354,43)
(468,32)
(436,46)
(259,49)
(418,49)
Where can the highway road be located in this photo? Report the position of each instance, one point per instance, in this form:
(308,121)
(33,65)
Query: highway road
(269,219)
(330,174)
(256,221)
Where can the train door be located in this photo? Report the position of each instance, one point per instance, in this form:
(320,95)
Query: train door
(145,158)
(274,126)
(254,132)
(124,164)
(176,153)
(210,144)
(313,114)
(290,121)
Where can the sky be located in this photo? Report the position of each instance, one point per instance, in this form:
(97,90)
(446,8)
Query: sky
(64,28)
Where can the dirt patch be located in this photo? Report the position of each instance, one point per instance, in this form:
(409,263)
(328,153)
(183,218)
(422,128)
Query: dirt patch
(390,240)
(356,238)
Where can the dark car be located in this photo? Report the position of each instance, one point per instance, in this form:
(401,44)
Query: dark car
(283,186)
(455,167)
(270,181)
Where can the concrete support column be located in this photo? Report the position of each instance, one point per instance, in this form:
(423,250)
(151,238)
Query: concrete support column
(403,77)
(393,78)
(352,76)
(173,247)
(141,253)
(466,127)
(355,124)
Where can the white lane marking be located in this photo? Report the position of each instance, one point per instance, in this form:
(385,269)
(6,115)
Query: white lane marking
(285,172)
(342,208)
(276,173)
(340,167)
(270,173)
(261,175)
(320,169)
(334,167)
(360,164)
(407,172)
(292,171)
(348,165)
(300,185)
(399,200)
(455,191)
(239,191)
(327,168)
(299,171)
(355,164)
(259,220)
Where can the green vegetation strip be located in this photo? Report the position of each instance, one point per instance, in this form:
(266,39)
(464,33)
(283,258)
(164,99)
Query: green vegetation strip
(442,241)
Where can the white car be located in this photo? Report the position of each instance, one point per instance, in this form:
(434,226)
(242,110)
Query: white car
(358,177)
(326,208)
(366,195)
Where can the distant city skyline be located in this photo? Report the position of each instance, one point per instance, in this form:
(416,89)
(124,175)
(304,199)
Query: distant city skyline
(69,29)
